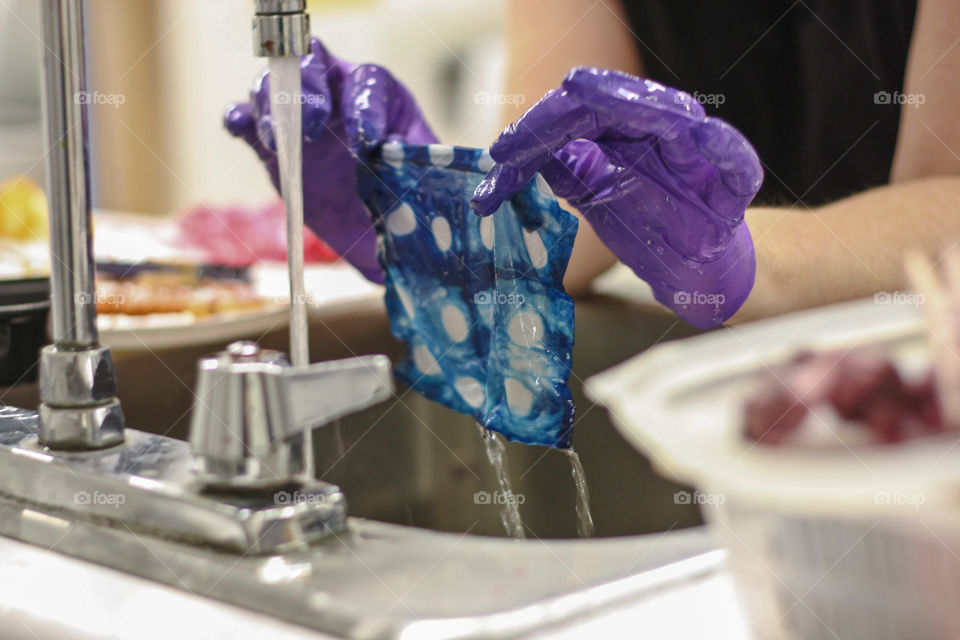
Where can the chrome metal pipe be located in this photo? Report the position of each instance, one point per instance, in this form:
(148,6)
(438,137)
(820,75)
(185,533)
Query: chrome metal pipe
(78,387)
(68,174)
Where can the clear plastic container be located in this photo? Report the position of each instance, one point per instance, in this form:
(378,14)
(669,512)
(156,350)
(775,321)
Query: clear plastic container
(830,541)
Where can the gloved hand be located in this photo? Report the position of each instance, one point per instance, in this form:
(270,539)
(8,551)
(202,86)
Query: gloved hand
(347,111)
(664,186)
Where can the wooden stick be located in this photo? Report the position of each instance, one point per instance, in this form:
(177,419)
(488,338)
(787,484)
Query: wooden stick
(939,305)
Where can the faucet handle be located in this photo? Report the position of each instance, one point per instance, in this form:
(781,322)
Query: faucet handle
(322,392)
(251,403)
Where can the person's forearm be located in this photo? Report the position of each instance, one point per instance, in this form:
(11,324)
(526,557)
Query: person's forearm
(854,247)
(850,248)
(928,143)
(545,39)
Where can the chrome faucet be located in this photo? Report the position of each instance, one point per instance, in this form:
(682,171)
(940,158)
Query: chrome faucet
(246,484)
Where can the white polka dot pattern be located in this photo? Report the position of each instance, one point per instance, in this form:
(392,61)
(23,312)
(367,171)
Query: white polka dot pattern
(479,301)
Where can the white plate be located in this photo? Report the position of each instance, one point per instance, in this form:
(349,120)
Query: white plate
(333,289)
(167,330)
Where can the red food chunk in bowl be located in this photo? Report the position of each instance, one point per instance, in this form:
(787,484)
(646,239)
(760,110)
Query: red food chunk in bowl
(862,386)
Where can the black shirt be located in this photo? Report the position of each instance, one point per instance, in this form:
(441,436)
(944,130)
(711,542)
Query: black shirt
(813,84)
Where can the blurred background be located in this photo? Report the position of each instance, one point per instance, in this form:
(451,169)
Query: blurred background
(173,66)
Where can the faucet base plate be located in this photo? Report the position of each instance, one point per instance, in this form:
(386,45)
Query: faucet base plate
(147,484)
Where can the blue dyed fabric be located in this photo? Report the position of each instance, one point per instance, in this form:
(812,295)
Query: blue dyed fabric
(479,302)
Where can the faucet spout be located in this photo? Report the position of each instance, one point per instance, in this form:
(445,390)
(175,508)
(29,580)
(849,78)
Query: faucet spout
(281,28)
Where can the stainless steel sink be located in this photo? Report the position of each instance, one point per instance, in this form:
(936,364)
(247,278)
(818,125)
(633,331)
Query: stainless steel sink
(410,461)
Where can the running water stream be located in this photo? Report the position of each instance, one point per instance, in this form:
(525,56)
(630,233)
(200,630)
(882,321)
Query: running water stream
(287,115)
(509,508)
(585,528)
(509,505)
(287,121)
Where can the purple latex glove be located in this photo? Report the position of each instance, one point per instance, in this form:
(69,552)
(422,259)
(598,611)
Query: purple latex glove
(347,111)
(664,186)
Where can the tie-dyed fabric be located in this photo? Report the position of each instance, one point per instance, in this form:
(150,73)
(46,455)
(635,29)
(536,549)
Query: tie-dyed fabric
(479,302)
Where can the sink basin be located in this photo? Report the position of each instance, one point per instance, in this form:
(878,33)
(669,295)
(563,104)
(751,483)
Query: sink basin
(411,462)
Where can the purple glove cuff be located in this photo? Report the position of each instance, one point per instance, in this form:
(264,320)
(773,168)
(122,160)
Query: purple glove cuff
(712,292)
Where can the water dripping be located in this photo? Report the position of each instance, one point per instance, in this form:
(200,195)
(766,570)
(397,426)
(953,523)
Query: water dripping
(509,509)
(585,528)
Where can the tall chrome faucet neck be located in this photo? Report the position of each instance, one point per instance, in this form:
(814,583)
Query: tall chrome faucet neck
(68,174)
(77,382)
